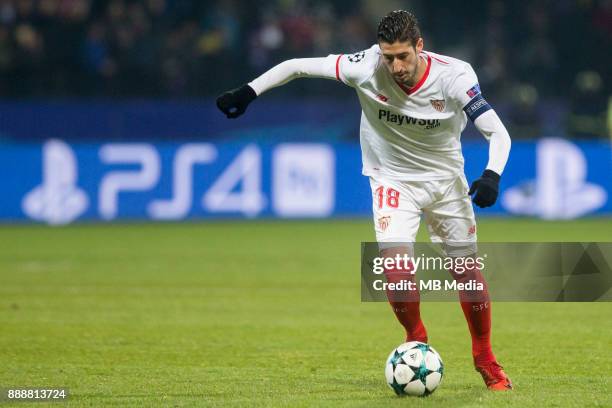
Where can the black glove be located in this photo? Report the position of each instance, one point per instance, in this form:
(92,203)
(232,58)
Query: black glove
(234,103)
(486,189)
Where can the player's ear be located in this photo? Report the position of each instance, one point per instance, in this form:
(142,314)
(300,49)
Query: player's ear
(419,45)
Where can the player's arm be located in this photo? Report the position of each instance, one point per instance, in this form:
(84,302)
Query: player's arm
(350,69)
(486,187)
(465,91)
(234,103)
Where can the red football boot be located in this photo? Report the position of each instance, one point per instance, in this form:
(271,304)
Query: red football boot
(494,376)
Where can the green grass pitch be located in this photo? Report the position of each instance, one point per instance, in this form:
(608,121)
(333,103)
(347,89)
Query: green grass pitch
(266,314)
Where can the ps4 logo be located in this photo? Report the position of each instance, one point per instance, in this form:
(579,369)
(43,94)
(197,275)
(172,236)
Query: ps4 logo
(302,182)
(560,190)
(58,199)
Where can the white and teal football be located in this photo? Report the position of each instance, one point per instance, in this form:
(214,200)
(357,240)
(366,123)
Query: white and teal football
(414,368)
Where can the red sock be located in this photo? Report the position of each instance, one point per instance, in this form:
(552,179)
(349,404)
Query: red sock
(406,306)
(476,307)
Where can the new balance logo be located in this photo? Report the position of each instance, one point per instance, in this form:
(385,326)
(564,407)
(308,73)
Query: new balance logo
(382,97)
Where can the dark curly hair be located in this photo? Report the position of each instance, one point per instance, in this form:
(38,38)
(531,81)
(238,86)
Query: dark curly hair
(399,25)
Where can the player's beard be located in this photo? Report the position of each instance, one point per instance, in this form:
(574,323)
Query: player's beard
(409,78)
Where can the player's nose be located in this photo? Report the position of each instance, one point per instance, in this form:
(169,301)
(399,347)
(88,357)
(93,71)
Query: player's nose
(397,67)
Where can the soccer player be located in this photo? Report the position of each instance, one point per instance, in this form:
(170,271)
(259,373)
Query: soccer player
(415,104)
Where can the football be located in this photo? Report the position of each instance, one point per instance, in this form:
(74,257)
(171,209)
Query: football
(414,368)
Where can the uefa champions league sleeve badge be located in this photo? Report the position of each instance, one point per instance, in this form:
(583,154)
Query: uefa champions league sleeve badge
(358,56)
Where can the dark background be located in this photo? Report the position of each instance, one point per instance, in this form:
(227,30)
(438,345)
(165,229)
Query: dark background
(538,61)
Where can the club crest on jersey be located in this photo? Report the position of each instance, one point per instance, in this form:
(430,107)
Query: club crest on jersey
(473,91)
(356,57)
(438,104)
(383,222)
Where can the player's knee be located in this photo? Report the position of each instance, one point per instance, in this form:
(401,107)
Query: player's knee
(465,268)
(397,263)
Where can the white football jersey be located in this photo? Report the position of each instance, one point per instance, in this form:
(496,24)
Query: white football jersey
(411,133)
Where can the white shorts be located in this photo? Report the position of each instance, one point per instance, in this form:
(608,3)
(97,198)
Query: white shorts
(398,205)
